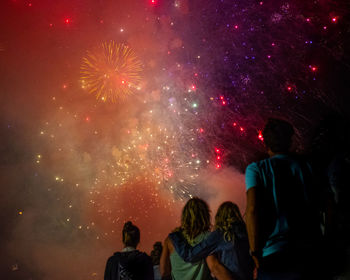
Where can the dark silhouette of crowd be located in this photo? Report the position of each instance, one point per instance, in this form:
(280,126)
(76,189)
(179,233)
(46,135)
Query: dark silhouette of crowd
(296,224)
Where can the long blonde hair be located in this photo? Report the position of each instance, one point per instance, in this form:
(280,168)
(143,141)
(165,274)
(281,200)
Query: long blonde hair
(226,219)
(195,218)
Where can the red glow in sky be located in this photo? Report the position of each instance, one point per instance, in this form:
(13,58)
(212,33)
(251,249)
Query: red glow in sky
(43,46)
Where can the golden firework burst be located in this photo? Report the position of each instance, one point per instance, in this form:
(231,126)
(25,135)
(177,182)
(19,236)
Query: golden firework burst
(111,72)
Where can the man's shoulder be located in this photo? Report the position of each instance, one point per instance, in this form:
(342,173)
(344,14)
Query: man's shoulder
(143,256)
(116,255)
(113,260)
(255,166)
(135,256)
(259,163)
(290,159)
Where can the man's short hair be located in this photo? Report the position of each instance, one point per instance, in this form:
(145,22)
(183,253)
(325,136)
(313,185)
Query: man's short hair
(278,135)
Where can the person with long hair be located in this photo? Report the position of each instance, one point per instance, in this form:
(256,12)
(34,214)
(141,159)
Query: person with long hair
(129,263)
(195,225)
(226,248)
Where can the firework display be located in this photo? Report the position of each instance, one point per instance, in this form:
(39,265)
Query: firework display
(182,89)
(112,73)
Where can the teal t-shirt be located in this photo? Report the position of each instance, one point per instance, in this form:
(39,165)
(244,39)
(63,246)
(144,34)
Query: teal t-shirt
(181,270)
(289,198)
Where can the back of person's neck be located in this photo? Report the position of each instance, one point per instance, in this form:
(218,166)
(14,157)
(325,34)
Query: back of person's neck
(272,154)
(128,249)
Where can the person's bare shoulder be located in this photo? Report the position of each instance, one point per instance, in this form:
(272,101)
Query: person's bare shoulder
(169,244)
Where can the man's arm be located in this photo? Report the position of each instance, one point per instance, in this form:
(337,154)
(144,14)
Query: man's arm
(195,253)
(165,265)
(217,270)
(252,214)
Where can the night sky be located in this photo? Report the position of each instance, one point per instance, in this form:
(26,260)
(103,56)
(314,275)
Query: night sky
(123,110)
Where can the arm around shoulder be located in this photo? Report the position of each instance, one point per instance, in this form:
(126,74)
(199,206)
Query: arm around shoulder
(195,253)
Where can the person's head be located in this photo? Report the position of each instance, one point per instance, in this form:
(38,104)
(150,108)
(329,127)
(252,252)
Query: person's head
(195,218)
(131,235)
(226,217)
(278,135)
(156,252)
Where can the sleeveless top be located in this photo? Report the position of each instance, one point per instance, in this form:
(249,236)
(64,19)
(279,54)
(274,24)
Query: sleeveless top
(181,270)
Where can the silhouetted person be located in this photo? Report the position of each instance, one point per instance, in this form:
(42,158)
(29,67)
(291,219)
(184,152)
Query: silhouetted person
(129,264)
(339,239)
(331,151)
(283,220)
(228,243)
(155,255)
